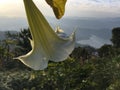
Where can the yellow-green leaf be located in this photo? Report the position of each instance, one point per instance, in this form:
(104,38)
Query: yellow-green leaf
(58,7)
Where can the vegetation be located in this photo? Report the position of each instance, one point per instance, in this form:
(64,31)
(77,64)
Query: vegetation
(116,37)
(83,70)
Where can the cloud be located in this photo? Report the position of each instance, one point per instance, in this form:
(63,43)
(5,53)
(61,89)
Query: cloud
(92,2)
(100,8)
(74,8)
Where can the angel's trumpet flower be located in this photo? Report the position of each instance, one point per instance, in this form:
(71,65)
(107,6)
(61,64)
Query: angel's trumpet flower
(46,44)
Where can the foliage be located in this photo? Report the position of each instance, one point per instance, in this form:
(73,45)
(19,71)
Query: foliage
(116,37)
(23,41)
(15,44)
(20,41)
(80,54)
(105,73)
(106,51)
(98,73)
(6,54)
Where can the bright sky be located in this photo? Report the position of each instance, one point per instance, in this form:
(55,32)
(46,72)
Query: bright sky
(79,8)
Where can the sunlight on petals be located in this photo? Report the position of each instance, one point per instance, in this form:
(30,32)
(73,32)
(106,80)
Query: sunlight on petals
(46,44)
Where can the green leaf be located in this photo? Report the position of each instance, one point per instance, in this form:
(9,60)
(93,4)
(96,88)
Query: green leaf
(58,7)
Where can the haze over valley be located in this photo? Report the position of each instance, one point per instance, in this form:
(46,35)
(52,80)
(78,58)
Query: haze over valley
(86,27)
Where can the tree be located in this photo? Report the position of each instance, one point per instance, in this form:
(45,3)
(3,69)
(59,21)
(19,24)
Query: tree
(116,37)
(6,54)
(80,54)
(106,50)
(20,41)
(15,44)
(23,41)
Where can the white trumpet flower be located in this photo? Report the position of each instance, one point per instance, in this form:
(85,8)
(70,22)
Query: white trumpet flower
(46,44)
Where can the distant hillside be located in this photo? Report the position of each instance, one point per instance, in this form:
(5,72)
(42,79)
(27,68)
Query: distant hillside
(12,24)
(85,26)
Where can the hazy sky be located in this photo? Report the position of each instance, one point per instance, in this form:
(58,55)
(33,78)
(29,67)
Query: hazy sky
(79,8)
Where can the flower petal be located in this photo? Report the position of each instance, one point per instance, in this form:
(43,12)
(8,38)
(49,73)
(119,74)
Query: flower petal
(58,7)
(46,44)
